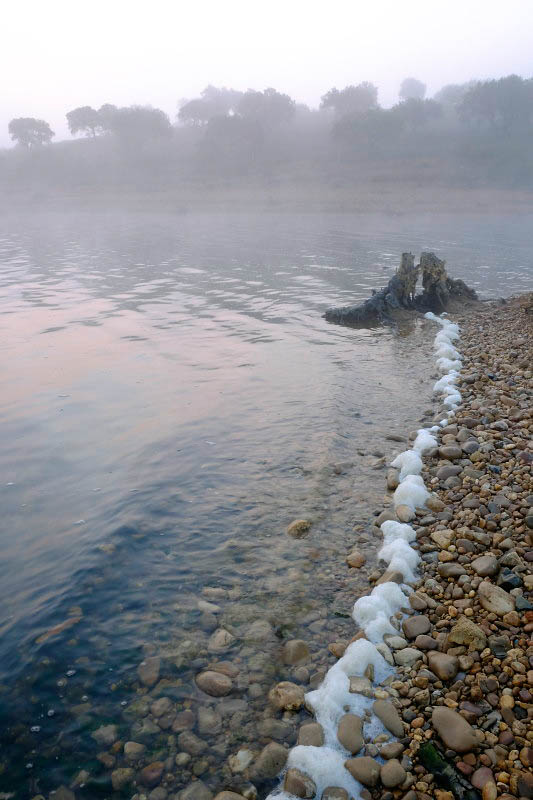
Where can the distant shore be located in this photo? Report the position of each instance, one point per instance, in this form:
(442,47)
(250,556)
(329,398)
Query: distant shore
(277,197)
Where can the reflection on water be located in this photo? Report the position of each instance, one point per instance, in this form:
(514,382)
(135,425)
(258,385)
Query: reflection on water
(172,399)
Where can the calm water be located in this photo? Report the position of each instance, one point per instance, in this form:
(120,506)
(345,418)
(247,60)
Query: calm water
(171,400)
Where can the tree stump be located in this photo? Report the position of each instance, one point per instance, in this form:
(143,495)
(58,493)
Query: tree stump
(400,293)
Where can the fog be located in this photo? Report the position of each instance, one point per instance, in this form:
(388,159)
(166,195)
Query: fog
(294,132)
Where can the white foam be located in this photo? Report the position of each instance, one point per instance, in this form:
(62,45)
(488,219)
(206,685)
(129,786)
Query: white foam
(411,492)
(409,463)
(330,701)
(373,612)
(397,530)
(447,364)
(326,767)
(424,441)
(400,557)
(447,351)
(446,381)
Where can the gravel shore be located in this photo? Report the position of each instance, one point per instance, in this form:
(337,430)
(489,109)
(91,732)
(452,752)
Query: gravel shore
(460,701)
(470,689)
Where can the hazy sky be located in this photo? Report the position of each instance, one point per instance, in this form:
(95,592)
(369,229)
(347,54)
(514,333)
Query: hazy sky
(59,54)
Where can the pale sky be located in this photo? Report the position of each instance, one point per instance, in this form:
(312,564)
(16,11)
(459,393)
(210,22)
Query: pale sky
(56,55)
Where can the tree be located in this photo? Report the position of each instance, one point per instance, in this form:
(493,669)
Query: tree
(451,95)
(373,128)
(416,113)
(30,132)
(268,107)
(351,99)
(136,123)
(506,103)
(213,102)
(84,119)
(412,89)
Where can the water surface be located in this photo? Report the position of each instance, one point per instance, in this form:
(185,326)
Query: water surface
(172,399)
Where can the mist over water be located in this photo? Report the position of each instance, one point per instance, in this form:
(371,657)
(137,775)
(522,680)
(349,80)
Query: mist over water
(172,400)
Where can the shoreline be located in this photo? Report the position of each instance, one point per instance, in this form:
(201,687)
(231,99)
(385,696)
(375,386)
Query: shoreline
(456,682)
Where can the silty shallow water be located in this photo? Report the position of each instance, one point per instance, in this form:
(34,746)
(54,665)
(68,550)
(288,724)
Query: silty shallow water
(172,399)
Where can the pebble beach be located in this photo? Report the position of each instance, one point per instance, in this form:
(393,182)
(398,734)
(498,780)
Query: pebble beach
(437,699)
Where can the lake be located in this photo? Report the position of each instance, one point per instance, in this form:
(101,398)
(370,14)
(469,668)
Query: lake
(171,400)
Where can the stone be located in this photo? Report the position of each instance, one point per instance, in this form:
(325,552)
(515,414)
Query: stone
(269,762)
(220,640)
(407,656)
(260,631)
(106,735)
(454,730)
(298,528)
(389,716)
(286,696)
(241,760)
(299,784)
(392,773)
(485,565)
(416,625)
(350,733)
(364,769)
(450,452)
(215,684)
(190,743)
(295,651)
(451,570)
(442,538)
(311,734)
(391,750)
(151,775)
(466,632)
(209,721)
(121,778)
(424,642)
(360,686)
(197,790)
(355,559)
(133,751)
(481,776)
(444,666)
(184,720)
(148,671)
(334,793)
(405,513)
(495,599)
(161,706)
(226,795)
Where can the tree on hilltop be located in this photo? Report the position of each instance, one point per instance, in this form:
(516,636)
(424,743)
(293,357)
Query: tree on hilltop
(412,89)
(352,99)
(84,119)
(213,102)
(269,107)
(30,132)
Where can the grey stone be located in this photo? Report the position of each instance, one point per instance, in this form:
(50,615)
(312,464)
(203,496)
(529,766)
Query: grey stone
(453,729)
(364,769)
(350,733)
(269,762)
(416,625)
(389,716)
(392,774)
(495,599)
(485,565)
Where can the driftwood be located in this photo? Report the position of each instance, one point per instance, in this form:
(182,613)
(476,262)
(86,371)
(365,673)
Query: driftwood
(400,293)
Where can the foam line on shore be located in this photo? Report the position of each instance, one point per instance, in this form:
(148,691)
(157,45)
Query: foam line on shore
(373,613)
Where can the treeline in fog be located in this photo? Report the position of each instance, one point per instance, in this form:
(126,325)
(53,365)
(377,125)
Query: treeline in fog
(473,134)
